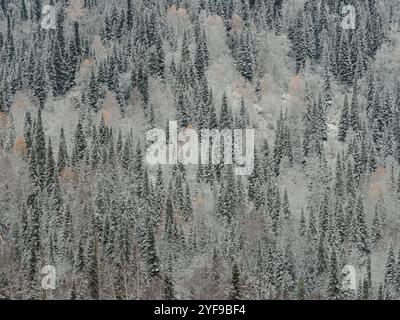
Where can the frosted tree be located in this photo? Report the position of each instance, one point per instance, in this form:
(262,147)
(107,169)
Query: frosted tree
(360,231)
(344,123)
(245,59)
(333,288)
(236,290)
(376,227)
(345,70)
(80,145)
(40,84)
(285,205)
(93,92)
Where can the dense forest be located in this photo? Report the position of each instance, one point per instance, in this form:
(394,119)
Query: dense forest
(82,81)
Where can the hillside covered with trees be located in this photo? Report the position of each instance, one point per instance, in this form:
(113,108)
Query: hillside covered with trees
(80,89)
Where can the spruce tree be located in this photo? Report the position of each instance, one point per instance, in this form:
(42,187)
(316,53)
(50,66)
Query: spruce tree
(62,161)
(93,270)
(150,254)
(169,288)
(344,123)
(236,290)
(39,84)
(333,289)
(376,228)
(285,206)
(58,68)
(40,150)
(170,230)
(245,59)
(345,70)
(93,92)
(80,145)
(360,232)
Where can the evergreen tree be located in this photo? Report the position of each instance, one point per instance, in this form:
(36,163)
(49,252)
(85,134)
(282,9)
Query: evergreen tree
(150,254)
(39,84)
(40,150)
(170,230)
(77,39)
(344,123)
(236,290)
(360,229)
(345,70)
(389,278)
(226,202)
(333,289)
(93,92)
(33,251)
(300,42)
(187,207)
(285,206)
(169,290)
(182,108)
(376,228)
(245,59)
(354,111)
(62,162)
(143,84)
(302,223)
(58,68)
(80,145)
(93,270)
